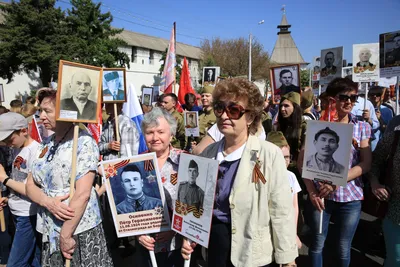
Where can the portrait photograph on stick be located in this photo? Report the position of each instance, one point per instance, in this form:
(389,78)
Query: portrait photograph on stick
(147,96)
(197,179)
(331,64)
(286,79)
(210,75)
(326,156)
(389,54)
(78,94)
(114,85)
(191,121)
(135,191)
(366,62)
(316,70)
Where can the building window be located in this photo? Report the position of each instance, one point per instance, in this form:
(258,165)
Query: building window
(151,58)
(134,54)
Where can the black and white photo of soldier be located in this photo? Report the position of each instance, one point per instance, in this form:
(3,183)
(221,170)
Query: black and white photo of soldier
(364,57)
(330,68)
(392,50)
(286,80)
(209,75)
(80,88)
(326,142)
(135,199)
(189,192)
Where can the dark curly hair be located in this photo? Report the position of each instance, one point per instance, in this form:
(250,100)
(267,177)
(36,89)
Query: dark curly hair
(339,85)
(241,88)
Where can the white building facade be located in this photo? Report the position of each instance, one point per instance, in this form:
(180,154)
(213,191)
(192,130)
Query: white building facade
(145,53)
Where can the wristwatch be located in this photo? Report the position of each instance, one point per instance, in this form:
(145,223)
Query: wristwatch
(6,180)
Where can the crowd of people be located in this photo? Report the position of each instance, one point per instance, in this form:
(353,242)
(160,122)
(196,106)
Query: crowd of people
(261,202)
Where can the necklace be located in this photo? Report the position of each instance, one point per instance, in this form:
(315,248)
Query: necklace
(54,147)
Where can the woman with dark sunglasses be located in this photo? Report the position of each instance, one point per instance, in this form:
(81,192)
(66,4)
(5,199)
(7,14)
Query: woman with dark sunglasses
(344,203)
(253,203)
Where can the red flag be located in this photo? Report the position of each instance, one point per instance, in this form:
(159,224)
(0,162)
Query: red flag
(185,85)
(34,131)
(168,75)
(95,128)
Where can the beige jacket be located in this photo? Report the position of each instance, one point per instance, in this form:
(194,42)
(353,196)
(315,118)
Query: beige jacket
(262,214)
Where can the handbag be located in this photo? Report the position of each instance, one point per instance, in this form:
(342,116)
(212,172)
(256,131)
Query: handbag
(371,205)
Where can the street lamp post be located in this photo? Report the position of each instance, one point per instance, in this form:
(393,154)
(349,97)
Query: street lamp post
(250,37)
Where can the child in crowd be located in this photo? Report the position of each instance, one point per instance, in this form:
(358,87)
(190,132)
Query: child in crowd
(14,133)
(277,138)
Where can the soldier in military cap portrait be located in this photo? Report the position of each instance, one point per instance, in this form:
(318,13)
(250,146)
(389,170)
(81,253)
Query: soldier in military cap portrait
(113,88)
(326,142)
(136,199)
(189,192)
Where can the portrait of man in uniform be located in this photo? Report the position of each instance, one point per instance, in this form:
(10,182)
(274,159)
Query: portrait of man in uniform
(113,86)
(286,80)
(329,68)
(364,56)
(326,142)
(80,88)
(135,199)
(392,55)
(189,192)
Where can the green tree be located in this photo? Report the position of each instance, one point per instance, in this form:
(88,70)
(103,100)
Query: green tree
(92,39)
(304,78)
(32,38)
(178,65)
(232,56)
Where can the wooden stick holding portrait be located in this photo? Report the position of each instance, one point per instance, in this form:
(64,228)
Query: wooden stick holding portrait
(117,137)
(73,172)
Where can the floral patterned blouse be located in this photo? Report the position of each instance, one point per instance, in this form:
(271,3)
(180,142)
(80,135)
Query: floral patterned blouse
(51,171)
(169,180)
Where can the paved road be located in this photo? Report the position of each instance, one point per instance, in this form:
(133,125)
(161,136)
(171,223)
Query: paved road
(362,253)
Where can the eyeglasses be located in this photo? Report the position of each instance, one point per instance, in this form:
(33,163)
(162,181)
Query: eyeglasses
(233,111)
(345,98)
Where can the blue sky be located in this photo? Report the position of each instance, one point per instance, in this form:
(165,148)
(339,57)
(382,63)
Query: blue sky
(315,24)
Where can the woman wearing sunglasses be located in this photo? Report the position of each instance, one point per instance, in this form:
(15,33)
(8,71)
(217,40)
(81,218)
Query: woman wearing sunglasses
(344,203)
(253,203)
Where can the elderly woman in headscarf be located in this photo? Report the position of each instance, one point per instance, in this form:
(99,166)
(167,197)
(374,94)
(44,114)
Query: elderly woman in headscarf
(253,203)
(158,127)
(70,230)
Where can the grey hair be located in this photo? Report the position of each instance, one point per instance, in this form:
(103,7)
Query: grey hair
(151,119)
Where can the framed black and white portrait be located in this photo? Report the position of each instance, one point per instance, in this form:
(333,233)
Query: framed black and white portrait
(327,151)
(147,96)
(114,85)
(389,54)
(366,62)
(210,75)
(285,79)
(79,92)
(347,72)
(191,121)
(197,179)
(135,191)
(331,64)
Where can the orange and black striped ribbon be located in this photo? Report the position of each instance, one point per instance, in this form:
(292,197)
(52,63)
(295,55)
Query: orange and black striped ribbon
(184,209)
(257,174)
(174,178)
(148,166)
